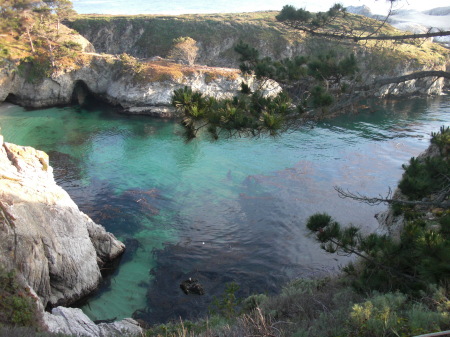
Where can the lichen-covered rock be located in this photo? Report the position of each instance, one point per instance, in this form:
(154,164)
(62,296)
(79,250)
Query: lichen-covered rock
(43,234)
(73,321)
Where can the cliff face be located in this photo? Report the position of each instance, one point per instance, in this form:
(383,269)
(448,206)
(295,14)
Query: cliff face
(57,248)
(104,78)
(104,75)
(217,35)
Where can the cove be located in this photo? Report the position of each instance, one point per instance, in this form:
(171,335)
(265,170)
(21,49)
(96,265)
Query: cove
(231,210)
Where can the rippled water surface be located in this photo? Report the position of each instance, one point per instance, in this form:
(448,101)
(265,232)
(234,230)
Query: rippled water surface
(231,210)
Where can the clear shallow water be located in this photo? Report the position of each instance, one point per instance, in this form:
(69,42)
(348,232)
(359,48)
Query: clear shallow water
(232,210)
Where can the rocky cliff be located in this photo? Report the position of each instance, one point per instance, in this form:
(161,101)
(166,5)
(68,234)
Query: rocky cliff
(147,88)
(108,78)
(58,249)
(218,34)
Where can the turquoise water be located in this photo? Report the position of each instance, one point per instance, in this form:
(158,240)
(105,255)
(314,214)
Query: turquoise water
(231,210)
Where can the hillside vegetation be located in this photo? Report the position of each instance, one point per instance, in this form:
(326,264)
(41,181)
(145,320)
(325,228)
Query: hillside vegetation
(145,36)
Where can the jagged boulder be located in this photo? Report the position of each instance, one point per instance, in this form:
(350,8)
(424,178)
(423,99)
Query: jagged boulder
(73,321)
(57,248)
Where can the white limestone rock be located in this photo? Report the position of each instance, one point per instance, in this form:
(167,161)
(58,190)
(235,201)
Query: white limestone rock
(43,234)
(103,79)
(73,321)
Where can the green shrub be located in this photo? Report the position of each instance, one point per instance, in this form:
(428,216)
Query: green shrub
(424,177)
(17,305)
(392,314)
(127,64)
(72,45)
(442,139)
(252,302)
(228,304)
(35,69)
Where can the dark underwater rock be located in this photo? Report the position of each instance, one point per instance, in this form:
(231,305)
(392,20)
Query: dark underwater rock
(192,286)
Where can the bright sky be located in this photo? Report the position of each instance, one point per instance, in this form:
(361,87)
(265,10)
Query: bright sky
(203,6)
(377,6)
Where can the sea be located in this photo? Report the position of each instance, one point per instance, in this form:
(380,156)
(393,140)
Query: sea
(232,210)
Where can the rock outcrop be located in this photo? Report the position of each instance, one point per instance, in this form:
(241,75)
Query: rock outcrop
(141,37)
(73,321)
(57,248)
(216,36)
(108,78)
(103,77)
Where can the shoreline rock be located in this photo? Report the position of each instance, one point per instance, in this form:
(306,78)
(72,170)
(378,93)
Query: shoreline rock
(56,249)
(102,78)
(73,321)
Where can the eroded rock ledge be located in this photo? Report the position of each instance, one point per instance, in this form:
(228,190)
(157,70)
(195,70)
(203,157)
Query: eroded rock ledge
(101,76)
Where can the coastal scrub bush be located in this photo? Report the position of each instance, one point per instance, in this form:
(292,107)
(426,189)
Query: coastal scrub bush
(4,51)
(35,68)
(228,304)
(10,331)
(442,140)
(184,49)
(207,327)
(424,177)
(129,65)
(17,305)
(392,314)
(252,302)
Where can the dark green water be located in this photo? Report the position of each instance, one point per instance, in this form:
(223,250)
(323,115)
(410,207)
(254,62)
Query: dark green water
(232,210)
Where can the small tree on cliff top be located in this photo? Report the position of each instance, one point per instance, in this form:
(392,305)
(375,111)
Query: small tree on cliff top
(184,49)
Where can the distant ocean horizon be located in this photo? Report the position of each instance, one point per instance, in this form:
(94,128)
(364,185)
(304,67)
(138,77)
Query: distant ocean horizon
(174,7)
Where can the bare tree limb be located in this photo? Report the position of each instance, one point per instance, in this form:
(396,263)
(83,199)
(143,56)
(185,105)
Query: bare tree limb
(440,200)
(399,79)
(344,36)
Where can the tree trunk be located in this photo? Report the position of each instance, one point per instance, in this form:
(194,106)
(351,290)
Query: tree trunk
(50,49)
(30,39)
(344,36)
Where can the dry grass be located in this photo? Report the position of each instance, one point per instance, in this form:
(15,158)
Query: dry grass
(14,48)
(165,70)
